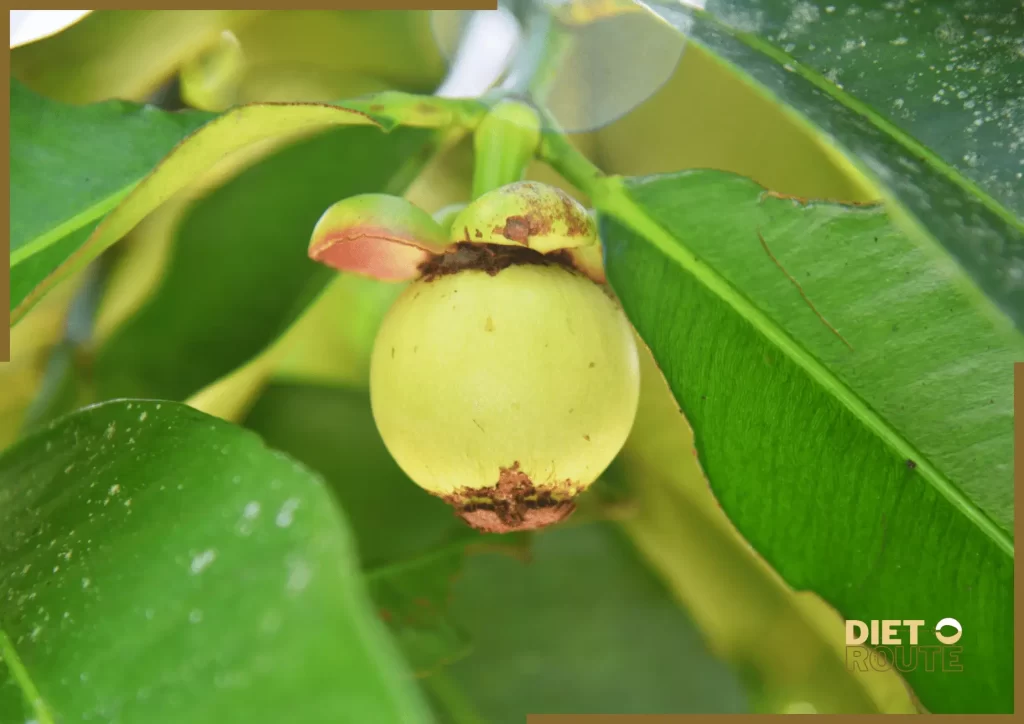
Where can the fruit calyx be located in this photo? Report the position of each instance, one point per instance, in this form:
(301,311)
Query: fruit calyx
(526,213)
(377,235)
(514,503)
(390,239)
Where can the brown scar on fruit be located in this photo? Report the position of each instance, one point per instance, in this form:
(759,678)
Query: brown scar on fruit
(539,217)
(514,503)
(576,225)
(520,228)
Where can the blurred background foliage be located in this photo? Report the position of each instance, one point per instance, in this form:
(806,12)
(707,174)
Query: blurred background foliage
(648,599)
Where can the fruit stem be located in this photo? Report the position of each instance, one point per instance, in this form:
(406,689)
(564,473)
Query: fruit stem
(506,141)
(504,144)
(558,152)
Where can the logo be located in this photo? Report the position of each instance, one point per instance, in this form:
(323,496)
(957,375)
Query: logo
(902,645)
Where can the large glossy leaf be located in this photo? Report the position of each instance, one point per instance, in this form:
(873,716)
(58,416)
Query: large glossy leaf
(580,627)
(850,393)
(48,249)
(955,65)
(939,63)
(160,565)
(239,275)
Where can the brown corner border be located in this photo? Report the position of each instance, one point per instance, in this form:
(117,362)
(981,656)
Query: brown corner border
(5,159)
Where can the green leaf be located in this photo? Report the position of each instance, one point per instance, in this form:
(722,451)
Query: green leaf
(745,612)
(128,54)
(47,250)
(850,394)
(938,63)
(410,542)
(331,430)
(412,597)
(70,166)
(122,54)
(581,627)
(161,565)
(239,275)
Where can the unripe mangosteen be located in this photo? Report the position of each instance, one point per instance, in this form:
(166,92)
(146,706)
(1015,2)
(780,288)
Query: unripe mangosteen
(505,378)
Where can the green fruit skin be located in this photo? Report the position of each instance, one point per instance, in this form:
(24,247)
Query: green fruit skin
(472,373)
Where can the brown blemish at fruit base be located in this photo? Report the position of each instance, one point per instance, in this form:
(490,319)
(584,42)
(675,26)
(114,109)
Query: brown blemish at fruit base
(489,258)
(513,504)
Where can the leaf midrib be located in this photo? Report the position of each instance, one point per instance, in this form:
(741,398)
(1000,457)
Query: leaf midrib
(614,199)
(76,222)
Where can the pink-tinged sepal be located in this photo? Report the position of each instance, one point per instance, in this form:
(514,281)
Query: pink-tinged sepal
(377,235)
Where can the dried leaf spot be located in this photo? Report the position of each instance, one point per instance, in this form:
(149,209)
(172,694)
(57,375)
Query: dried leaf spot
(489,325)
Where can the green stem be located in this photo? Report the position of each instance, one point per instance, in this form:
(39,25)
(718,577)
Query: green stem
(504,144)
(558,152)
(507,140)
